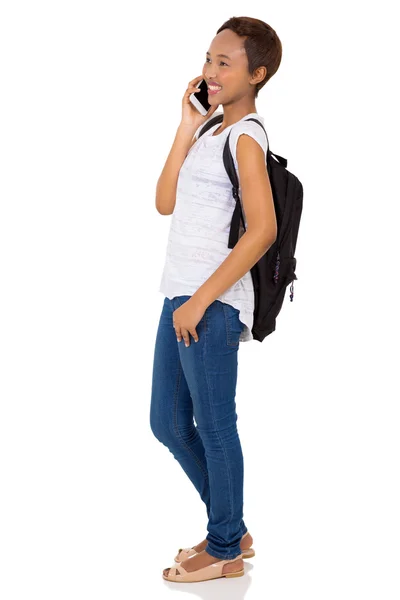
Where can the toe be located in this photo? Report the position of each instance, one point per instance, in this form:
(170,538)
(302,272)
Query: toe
(165,572)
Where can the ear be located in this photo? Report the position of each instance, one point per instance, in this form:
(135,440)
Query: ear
(259,75)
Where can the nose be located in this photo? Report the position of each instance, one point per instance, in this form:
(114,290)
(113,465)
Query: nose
(209,77)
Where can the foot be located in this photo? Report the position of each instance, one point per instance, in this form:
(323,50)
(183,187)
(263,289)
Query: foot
(203,559)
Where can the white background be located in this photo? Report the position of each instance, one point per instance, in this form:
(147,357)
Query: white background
(92,505)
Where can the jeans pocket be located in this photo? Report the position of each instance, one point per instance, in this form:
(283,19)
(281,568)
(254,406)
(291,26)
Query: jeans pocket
(233,325)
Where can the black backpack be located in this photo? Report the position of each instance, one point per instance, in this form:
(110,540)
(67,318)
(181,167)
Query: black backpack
(276,268)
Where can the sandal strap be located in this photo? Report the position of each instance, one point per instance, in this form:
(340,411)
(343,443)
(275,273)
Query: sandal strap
(204,573)
(186,551)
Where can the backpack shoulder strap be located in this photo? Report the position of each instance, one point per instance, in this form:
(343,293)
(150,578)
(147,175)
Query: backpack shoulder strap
(280,159)
(261,125)
(231,171)
(213,121)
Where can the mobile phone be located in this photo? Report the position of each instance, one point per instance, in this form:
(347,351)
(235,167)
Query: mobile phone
(200,99)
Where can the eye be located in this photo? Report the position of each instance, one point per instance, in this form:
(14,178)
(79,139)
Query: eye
(221,62)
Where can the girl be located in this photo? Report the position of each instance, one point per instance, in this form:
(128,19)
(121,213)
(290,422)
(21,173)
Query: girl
(208,289)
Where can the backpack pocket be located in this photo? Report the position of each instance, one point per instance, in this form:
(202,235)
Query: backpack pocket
(286,275)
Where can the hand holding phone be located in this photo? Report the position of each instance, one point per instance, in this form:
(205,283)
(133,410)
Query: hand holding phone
(195,107)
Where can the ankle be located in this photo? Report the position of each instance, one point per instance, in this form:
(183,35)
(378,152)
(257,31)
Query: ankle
(200,547)
(246,541)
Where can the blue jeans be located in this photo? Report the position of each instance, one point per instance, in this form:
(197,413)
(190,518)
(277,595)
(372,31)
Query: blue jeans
(199,381)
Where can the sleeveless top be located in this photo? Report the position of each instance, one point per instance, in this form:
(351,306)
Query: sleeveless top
(200,224)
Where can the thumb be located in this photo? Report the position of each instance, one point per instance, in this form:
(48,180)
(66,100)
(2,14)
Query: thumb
(211,111)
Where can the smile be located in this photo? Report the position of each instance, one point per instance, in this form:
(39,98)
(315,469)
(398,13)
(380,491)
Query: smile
(214,90)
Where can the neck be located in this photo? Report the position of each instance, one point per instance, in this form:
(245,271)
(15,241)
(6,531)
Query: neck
(237,110)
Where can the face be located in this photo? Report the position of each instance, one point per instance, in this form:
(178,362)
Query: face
(229,71)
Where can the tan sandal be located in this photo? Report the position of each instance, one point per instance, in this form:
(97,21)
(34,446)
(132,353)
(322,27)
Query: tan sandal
(185,553)
(214,571)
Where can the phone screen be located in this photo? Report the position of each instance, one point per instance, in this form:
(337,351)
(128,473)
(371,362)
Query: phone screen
(202,95)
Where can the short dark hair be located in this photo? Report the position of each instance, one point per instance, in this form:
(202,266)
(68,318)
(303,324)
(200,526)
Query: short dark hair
(262,45)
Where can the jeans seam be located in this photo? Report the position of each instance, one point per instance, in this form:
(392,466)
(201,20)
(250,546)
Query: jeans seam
(212,412)
(228,327)
(176,426)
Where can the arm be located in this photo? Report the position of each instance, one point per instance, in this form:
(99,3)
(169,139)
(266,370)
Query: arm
(261,229)
(167,182)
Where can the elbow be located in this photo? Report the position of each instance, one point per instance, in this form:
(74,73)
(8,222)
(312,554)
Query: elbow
(271,234)
(267,237)
(165,204)
(270,241)
(273,237)
(162,209)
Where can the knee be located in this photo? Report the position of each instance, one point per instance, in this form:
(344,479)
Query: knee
(171,435)
(160,429)
(187,433)
(218,435)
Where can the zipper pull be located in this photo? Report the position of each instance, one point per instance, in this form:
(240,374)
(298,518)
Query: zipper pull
(291,291)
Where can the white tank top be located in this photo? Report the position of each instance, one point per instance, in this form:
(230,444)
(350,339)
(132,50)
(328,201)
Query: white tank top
(201,221)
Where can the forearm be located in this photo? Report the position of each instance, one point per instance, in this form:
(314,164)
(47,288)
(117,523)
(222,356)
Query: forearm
(248,250)
(167,182)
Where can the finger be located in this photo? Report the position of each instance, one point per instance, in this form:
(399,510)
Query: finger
(191,89)
(185,335)
(211,110)
(194,84)
(178,334)
(194,335)
(196,80)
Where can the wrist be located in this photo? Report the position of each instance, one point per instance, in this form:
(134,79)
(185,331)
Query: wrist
(199,300)
(186,130)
